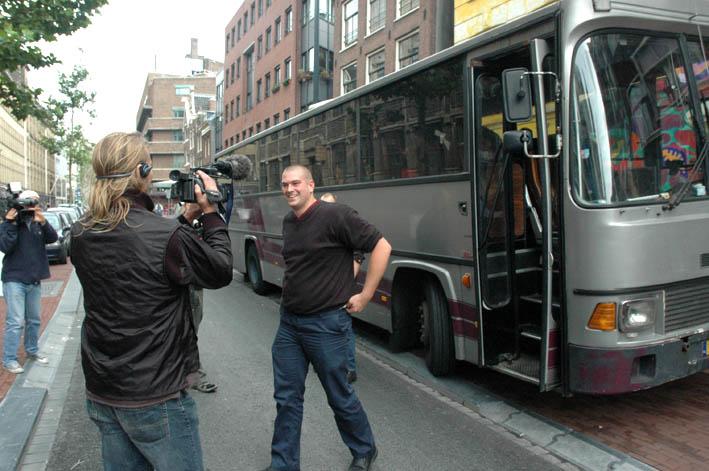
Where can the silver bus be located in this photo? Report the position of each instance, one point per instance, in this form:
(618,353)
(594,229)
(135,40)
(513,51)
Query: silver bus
(543,185)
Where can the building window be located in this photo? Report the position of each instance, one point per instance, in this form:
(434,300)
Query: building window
(251,131)
(377,15)
(246,22)
(249,80)
(238,105)
(178,112)
(260,8)
(277,75)
(375,66)
(268,85)
(308,6)
(238,68)
(231,116)
(226,143)
(268,39)
(259,47)
(177,135)
(307,60)
(226,44)
(407,6)
(238,30)
(287,68)
(226,78)
(276,119)
(349,77)
(233,36)
(277,37)
(243,135)
(226,113)
(289,20)
(408,50)
(286,113)
(326,12)
(349,30)
(259,89)
(266,123)
(253,13)
(232,73)
(268,3)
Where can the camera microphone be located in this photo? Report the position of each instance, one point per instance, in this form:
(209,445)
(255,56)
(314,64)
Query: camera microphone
(236,166)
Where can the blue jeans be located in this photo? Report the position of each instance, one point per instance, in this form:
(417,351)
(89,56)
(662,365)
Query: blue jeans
(23,308)
(324,341)
(163,437)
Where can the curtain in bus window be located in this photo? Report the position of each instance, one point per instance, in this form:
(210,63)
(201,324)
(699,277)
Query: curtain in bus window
(414,127)
(700,69)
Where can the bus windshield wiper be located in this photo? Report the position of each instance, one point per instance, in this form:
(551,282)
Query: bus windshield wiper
(679,194)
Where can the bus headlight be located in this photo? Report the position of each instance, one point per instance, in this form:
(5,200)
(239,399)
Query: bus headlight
(638,314)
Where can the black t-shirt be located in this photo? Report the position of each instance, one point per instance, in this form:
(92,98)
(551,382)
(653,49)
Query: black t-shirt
(318,249)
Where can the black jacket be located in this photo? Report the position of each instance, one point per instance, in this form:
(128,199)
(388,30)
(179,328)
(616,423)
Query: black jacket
(23,244)
(138,341)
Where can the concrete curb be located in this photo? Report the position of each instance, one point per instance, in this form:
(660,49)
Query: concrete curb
(561,441)
(22,412)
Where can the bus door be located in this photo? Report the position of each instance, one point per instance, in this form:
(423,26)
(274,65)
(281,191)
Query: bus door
(513,222)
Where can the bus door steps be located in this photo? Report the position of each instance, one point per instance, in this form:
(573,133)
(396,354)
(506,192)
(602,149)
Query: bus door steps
(524,367)
(530,331)
(536,298)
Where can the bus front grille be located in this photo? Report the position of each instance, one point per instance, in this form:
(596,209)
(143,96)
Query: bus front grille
(687,305)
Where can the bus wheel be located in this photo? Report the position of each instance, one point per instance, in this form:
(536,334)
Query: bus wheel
(253,268)
(436,331)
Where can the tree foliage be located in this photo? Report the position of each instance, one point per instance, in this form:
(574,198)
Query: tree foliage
(68,137)
(22,24)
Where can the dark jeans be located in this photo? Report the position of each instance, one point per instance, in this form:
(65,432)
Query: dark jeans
(160,437)
(324,341)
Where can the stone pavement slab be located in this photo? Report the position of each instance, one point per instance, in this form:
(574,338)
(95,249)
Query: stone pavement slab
(18,414)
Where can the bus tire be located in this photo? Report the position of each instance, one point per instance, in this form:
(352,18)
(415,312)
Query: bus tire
(405,300)
(62,258)
(437,331)
(253,269)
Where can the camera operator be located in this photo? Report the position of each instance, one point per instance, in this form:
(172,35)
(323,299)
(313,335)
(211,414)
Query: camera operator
(23,238)
(138,342)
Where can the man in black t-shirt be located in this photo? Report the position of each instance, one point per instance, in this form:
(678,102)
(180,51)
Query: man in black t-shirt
(319,293)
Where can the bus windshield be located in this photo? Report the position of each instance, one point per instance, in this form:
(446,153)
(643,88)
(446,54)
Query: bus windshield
(633,134)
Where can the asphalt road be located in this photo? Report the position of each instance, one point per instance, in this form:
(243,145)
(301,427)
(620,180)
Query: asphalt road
(415,428)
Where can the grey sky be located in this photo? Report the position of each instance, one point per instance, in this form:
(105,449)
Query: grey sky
(123,44)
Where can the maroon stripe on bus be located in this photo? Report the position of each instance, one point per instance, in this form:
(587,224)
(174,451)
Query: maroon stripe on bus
(465,320)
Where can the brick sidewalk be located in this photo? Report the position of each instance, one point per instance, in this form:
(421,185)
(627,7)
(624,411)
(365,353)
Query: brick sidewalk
(665,427)
(59,273)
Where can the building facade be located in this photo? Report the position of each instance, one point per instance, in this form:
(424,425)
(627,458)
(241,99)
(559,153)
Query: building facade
(279,59)
(161,115)
(377,37)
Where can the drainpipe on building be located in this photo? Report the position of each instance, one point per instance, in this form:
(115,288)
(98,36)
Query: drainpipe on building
(444,24)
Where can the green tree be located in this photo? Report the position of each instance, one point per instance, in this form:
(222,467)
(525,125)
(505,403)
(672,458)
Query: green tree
(22,24)
(68,137)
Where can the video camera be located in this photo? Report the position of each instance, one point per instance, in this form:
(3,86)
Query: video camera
(235,167)
(10,199)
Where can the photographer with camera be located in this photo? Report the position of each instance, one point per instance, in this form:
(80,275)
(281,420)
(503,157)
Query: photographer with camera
(23,238)
(138,342)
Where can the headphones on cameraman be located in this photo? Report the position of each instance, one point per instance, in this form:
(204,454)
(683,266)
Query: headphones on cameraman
(143,169)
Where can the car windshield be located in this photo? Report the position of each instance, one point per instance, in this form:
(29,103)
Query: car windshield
(633,134)
(54,220)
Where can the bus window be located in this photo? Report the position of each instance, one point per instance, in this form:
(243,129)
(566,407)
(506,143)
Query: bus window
(412,129)
(700,70)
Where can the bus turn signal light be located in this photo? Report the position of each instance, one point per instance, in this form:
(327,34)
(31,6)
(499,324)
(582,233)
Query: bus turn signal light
(603,317)
(466,280)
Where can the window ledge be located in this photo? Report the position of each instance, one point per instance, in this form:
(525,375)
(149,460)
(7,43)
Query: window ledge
(348,47)
(374,32)
(406,14)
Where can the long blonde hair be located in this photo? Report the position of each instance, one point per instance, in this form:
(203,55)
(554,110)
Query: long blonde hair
(117,153)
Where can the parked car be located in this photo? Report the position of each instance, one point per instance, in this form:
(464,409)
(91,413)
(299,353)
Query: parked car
(59,250)
(70,215)
(74,208)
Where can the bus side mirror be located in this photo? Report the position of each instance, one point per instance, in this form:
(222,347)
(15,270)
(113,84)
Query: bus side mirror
(515,142)
(517,95)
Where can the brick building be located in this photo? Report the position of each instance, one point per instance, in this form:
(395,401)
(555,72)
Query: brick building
(378,37)
(162,112)
(279,57)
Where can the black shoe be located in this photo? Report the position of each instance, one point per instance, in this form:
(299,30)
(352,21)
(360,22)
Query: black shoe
(364,463)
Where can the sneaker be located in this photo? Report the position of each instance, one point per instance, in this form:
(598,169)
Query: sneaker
(14,367)
(39,358)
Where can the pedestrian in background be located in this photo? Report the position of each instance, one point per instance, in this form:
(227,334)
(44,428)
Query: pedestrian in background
(138,342)
(319,292)
(23,238)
